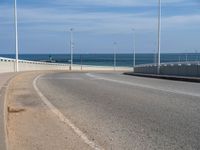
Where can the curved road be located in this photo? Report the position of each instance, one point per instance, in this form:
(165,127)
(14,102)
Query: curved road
(125,112)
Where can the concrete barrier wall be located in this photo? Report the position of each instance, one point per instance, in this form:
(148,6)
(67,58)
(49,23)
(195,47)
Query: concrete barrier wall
(23,66)
(8,65)
(184,69)
(100,68)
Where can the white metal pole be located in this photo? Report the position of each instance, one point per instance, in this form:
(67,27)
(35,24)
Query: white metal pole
(134,48)
(81,61)
(71,47)
(186,57)
(159,35)
(16,38)
(155,57)
(196,54)
(115,58)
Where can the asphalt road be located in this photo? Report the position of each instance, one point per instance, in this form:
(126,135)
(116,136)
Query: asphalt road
(125,112)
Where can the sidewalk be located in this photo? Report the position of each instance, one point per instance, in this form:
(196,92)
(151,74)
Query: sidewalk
(4,78)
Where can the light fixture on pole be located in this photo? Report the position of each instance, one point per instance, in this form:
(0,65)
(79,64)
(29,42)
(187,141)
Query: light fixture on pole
(159,35)
(71,47)
(16,38)
(134,48)
(115,55)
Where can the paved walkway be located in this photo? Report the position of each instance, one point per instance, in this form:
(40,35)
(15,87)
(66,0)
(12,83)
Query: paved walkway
(4,78)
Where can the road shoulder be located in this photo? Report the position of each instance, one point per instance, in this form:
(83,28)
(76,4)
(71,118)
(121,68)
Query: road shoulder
(4,80)
(31,125)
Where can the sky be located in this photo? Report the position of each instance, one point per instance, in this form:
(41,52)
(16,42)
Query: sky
(44,26)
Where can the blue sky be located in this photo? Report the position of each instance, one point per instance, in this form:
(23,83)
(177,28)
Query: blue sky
(44,25)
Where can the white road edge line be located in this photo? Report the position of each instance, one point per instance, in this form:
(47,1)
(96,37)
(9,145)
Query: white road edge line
(142,86)
(64,119)
(51,78)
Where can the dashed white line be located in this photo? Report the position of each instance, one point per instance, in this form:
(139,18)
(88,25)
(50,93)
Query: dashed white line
(142,86)
(64,119)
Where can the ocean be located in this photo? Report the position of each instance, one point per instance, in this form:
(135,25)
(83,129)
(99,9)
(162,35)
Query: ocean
(107,59)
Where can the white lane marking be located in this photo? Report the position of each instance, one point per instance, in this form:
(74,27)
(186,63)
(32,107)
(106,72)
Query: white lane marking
(142,86)
(64,119)
(51,78)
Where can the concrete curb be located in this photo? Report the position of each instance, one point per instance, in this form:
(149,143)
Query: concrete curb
(3,112)
(167,77)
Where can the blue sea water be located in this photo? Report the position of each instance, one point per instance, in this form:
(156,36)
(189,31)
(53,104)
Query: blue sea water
(107,59)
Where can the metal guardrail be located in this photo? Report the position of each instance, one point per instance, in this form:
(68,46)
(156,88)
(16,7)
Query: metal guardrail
(189,63)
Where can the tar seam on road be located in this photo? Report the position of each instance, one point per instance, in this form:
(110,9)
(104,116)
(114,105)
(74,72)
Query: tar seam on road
(64,119)
(5,118)
(142,86)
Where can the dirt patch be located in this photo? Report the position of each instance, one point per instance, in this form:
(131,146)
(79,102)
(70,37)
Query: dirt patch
(15,109)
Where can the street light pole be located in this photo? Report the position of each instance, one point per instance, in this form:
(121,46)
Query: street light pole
(71,47)
(16,38)
(159,35)
(134,48)
(114,55)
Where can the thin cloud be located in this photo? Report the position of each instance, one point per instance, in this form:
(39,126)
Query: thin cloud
(58,16)
(135,3)
(51,19)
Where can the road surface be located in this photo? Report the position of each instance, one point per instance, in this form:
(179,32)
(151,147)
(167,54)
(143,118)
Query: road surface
(116,111)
